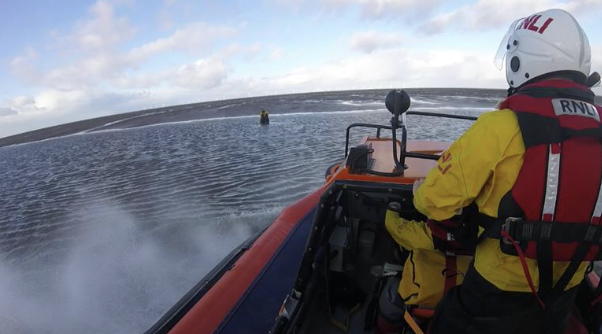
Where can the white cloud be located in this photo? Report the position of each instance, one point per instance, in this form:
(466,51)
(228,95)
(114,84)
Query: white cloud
(22,67)
(92,61)
(399,67)
(491,14)
(22,101)
(596,56)
(46,108)
(103,30)
(85,72)
(101,65)
(54,106)
(237,49)
(369,41)
(140,80)
(194,38)
(53,99)
(392,9)
(7,112)
(90,52)
(23,105)
(581,6)
(96,57)
(396,67)
(408,10)
(202,74)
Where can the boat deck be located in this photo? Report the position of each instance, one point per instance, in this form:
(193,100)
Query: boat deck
(360,277)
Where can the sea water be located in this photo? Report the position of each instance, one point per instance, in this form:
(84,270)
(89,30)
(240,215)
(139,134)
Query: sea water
(103,231)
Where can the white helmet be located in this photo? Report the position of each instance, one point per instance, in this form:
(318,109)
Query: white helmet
(545,42)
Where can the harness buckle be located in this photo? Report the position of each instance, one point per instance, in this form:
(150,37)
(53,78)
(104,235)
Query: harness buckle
(510,227)
(591,231)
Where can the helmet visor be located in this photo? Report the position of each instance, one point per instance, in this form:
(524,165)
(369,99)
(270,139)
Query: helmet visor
(500,55)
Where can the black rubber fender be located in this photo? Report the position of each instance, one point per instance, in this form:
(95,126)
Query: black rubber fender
(330,169)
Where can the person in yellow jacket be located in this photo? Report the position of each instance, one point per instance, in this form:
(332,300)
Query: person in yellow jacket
(545,52)
(264,118)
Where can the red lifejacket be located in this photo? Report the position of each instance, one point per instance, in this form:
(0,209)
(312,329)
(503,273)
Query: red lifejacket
(553,210)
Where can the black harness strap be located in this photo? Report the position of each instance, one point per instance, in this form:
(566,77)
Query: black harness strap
(544,263)
(593,233)
(570,133)
(537,129)
(544,233)
(570,271)
(523,230)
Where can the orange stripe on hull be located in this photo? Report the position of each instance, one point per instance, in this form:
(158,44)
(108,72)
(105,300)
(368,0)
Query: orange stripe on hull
(208,313)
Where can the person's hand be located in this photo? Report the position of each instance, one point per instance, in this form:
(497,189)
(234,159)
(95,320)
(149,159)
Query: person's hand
(417,184)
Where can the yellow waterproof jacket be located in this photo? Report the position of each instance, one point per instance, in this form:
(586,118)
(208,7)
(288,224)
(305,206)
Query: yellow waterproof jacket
(482,166)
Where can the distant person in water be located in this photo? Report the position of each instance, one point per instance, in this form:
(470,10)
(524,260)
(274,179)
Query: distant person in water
(264,118)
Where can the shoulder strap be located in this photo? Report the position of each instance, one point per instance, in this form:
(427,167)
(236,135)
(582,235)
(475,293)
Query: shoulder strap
(547,130)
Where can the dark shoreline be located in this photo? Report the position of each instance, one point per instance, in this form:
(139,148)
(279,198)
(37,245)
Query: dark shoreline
(213,109)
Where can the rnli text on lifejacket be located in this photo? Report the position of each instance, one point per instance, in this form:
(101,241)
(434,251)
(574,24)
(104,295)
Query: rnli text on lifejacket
(575,107)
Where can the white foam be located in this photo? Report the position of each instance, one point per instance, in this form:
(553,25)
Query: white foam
(213,119)
(452,108)
(415,100)
(115,278)
(359,104)
(126,119)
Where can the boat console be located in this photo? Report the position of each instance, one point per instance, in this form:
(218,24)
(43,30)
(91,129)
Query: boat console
(350,255)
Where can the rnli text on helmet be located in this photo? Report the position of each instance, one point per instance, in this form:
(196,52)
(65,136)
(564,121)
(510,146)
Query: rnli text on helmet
(531,21)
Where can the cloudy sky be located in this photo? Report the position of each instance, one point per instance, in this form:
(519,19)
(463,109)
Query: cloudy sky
(67,60)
